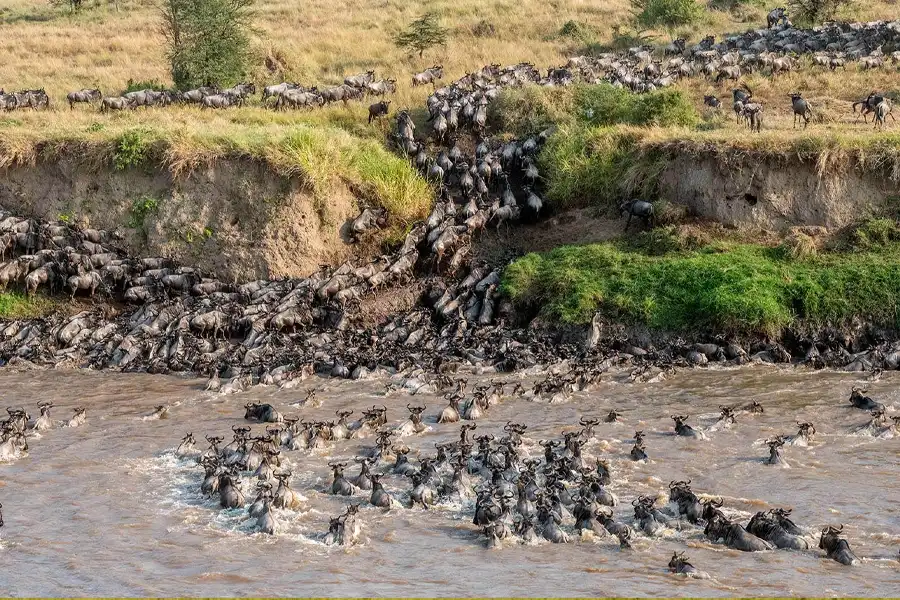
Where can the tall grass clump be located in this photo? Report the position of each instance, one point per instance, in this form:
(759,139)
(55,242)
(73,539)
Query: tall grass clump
(741,289)
(598,166)
(324,155)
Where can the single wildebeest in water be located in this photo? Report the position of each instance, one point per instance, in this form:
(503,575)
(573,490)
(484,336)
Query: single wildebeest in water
(379,109)
(641,209)
(860,400)
(836,547)
(679,565)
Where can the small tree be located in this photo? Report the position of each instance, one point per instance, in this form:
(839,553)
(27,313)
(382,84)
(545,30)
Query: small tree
(422,34)
(666,14)
(815,12)
(207,41)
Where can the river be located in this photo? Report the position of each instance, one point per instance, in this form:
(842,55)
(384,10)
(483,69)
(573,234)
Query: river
(106,509)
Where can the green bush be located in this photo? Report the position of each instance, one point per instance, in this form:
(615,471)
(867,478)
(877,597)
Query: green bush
(666,14)
(607,105)
(742,289)
(875,234)
(598,166)
(815,12)
(131,149)
(528,110)
(19,306)
(140,209)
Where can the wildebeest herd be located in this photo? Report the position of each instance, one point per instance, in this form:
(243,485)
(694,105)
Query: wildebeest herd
(281,332)
(513,487)
(777,49)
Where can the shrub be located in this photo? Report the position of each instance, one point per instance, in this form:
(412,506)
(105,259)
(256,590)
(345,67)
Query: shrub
(134,86)
(586,166)
(131,149)
(528,110)
(607,105)
(140,209)
(666,14)
(207,41)
(484,29)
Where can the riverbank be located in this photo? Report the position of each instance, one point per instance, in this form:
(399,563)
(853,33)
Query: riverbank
(258,202)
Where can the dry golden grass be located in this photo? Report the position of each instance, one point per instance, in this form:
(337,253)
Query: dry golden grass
(321,41)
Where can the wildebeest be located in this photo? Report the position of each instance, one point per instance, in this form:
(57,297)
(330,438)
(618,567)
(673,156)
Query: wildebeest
(428,76)
(775,16)
(882,110)
(859,400)
(732,534)
(379,109)
(867,105)
(728,73)
(86,96)
(835,547)
(216,101)
(767,525)
(382,87)
(361,80)
(679,565)
(299,98)
(752,112)
(712,101)
(638,208)
(801,109)
(263,413)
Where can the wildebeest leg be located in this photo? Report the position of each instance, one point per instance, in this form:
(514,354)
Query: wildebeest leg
(628,222)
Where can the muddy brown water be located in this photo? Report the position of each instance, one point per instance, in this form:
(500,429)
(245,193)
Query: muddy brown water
(107,510)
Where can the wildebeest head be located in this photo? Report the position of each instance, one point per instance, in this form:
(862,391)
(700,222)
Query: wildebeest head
(678,562)
(806,429)
(830,537)
(711,508)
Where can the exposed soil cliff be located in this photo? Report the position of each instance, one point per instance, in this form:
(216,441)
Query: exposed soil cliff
(235,217)
(774,192)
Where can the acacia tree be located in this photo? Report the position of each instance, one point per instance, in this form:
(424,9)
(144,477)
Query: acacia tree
(207,41)
(422,34)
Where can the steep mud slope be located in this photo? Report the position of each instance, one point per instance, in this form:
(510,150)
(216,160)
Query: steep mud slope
(776,192)
(235,217)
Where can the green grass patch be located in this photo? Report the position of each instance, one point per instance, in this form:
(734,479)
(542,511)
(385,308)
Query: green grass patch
(736,288)
(14,305)
(530,109)
(598,166)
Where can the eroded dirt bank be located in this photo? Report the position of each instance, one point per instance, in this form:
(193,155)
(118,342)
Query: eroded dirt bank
(235,217)
(774,192)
